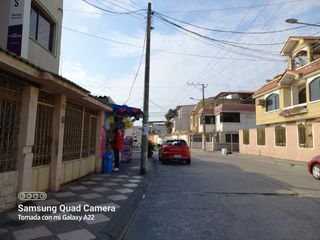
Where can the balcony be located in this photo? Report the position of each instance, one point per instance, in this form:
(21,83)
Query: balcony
(294,110)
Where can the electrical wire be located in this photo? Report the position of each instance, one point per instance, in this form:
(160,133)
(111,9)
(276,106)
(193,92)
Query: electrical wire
(234,32)
(109,11)
(136,75)
(233,8)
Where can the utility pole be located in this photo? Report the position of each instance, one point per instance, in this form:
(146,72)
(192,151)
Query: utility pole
(145,121)
(203,86)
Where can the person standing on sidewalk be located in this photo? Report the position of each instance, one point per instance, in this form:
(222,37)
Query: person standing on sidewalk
(117,147)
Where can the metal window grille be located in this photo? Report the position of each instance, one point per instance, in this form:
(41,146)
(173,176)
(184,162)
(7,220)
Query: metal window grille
(280,134)
(72,132)
(10,105)
(43,132)
(86,135)
(245,137)
(261,136)
(305,135)
(93,135)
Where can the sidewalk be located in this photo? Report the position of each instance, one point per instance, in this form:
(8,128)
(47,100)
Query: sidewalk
(119,192)
(276,161)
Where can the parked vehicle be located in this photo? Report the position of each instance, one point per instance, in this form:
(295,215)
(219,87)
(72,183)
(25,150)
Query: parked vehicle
(314,167)
(174,149)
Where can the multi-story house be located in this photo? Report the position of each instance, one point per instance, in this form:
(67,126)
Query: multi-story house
(288,107)
(51,129)
(157,131)
(226,113)
(181,123)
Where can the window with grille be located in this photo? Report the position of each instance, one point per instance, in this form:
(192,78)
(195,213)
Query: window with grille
(245,137)
(280,135)
(261,136)
(10,105)
(72,132)
(305,135)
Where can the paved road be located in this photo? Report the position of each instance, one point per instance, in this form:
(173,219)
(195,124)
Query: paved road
(233,197)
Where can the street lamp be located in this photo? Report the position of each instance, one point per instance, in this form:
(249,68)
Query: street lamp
(295,21)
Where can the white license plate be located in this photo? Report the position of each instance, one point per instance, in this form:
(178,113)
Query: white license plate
(177,156)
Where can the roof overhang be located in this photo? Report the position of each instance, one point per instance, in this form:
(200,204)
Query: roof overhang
(50,82)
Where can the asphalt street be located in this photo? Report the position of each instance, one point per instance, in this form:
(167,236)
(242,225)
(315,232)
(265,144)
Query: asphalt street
(229,197)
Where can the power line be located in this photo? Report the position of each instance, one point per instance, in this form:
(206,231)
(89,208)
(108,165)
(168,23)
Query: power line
(234,32)
(113,12)
(217,41)
(136,75)
(164,51)
(233,8)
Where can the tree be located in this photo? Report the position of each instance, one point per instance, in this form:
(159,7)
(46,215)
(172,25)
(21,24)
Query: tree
(172,113)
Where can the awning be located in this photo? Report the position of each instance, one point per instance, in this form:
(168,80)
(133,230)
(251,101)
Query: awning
(126,111)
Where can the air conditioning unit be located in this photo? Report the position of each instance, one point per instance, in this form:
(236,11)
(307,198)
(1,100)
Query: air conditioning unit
(261,102)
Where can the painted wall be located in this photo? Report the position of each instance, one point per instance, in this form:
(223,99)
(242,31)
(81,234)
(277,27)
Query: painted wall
(291,151)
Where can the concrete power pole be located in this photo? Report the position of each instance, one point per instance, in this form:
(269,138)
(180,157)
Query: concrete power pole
(203,86)
(145,122)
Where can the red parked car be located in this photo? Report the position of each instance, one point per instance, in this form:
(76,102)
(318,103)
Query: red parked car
(175,149)
(314,167)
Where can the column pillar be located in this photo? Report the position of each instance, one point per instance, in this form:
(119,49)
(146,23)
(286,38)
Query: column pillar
(100,139)
(59,113)
(26,136)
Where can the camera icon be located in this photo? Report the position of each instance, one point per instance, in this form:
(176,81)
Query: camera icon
(32,196)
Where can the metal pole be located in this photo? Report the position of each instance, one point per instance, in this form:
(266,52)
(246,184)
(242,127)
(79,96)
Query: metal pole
(204,119)
(145,127)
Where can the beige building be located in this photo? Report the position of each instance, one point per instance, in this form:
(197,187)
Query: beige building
(288,107)
(50,128)
(41,22)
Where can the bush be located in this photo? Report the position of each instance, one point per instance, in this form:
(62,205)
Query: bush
(151,148)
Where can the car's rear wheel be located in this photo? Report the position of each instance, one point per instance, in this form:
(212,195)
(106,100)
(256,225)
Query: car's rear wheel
(316,171)
(188,161)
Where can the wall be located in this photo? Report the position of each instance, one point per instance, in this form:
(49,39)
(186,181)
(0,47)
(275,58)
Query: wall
(8,189)
(4,21)
(41,56)
(291,151)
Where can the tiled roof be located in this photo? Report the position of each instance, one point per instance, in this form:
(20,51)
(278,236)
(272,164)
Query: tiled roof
(306,37)
(207,111)
(268,86)
(235,107)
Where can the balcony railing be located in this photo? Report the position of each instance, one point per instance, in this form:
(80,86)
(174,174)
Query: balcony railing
(294,110)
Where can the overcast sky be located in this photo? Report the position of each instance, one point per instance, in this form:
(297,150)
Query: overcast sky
(102,51)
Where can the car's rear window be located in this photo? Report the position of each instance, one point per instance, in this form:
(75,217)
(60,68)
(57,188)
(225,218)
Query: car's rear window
(175,143)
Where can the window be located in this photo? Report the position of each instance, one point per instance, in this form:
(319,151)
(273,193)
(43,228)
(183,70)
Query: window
(245,137)
(302,96)
(305,135)
(280,134)
(235,138)
(300,59)
(41,28)
(230,117)
(315,89)
(272,102)
(261,136)
(208,119)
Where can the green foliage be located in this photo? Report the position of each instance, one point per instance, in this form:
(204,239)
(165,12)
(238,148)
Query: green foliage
(172,113)
(151,148)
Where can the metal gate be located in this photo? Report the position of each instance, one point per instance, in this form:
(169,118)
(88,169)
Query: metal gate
(43,142)
(10,105)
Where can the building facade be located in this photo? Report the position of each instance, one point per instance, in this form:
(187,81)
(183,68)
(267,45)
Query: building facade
(288,107)
(50,128)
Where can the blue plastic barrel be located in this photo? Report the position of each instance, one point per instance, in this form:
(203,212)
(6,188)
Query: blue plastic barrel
(107,162)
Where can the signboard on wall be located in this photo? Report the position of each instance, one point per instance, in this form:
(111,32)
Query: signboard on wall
(18,29)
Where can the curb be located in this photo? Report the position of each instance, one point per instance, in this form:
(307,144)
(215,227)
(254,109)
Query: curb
(117,227)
